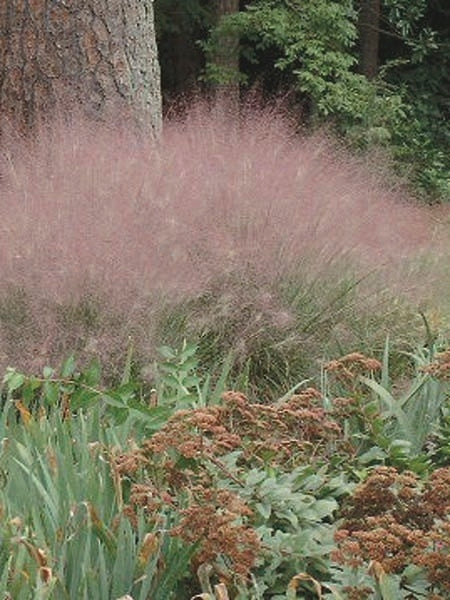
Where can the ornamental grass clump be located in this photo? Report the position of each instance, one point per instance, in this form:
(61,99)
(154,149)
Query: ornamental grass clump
(233,230)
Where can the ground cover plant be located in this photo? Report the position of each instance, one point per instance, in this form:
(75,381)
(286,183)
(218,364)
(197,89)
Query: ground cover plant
(315,495)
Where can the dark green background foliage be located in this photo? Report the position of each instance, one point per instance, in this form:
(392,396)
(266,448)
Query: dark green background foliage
(310,50)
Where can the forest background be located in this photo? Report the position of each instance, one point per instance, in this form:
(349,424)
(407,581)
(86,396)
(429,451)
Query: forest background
(378,71)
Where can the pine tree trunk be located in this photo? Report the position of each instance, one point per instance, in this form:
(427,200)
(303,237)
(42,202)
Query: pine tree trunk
(369,37)
(97,56)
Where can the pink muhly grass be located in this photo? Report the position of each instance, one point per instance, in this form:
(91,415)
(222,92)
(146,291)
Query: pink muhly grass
(90,211)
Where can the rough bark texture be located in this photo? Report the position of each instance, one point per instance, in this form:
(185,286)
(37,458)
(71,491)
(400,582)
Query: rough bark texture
(97,56)
(369,37)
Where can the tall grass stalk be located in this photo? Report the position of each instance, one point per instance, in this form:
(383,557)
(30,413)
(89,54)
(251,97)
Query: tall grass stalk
(413,415)
(63,533)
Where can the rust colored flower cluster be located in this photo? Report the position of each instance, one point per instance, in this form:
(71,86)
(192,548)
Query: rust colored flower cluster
(347,368)
(290,431)
(194,433)
(178,468)
(358,592)
(213,519)
(393,519)
(216,520)
(440,368)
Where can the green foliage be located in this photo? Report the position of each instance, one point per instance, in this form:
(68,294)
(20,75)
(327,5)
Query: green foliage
(312,45)
(100,499)
(414,416)
(72,391)
(405,17)
(63,533)
(181,16)
(393,428)
(312,41)
(178,380)
(179,24)
(293,515)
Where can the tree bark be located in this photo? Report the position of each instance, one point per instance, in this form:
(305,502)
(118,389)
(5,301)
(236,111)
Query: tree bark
(369,37)
(98,57)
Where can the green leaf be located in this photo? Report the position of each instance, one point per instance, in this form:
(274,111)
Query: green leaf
(189,350)
(13,380)
(385,382)
(190,381)
(374,455)
(83,399)
(265,510)
(171,373)
(68,367)
(117,402)
(48,372)
(100,529)
(389,586)
(91,376)
(391,404)
(51,393)
(153,417)
(188,364)
(324,508)
(167,352)
(416,387)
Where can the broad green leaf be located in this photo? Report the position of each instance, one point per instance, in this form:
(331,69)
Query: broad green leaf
(375,454)
(391,404)
(91,376)
(13,380)
(190,381)
(48,372)
(51,393)
(265,510)
(188,351)
(167,352)
(324,508)
(389,586)
(83,399)
(68,367)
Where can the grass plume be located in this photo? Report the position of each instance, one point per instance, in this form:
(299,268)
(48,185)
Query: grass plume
(230,230)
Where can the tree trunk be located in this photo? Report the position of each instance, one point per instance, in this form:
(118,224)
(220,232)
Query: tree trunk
(94,56)
(369,37)
(226,56)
